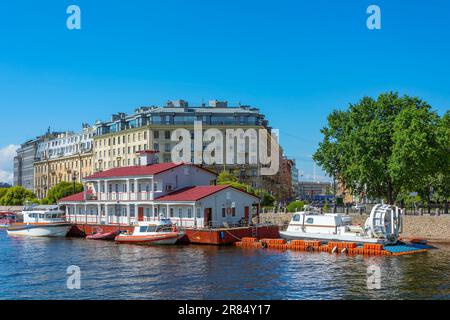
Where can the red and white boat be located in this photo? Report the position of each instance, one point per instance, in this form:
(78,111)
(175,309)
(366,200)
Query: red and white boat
(160,232)
(100,235)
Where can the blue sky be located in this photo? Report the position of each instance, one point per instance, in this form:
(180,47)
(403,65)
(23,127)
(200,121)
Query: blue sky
(296,60)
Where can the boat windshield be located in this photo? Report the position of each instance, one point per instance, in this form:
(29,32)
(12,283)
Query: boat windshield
(148,229)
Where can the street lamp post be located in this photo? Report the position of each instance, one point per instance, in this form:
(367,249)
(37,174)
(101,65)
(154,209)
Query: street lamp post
(74,179)
(334,193)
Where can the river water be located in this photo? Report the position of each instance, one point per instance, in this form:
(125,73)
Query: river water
(36,268)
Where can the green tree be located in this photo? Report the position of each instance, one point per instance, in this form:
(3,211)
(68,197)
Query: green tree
(267,200)
(296,206)
(3,192)
(380,147)
(17,196)
(61,190)
(415,157)
(225,176)
(441,179)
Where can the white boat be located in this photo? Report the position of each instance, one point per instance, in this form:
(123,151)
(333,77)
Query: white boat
(41,222)
(158,232)
(383,226)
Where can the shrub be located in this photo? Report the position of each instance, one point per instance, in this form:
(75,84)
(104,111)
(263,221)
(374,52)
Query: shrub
(296,206)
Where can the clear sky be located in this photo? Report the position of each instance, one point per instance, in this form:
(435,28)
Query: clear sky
(295,60)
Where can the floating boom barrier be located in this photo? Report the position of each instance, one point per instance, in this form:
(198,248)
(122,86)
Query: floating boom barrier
(349,248)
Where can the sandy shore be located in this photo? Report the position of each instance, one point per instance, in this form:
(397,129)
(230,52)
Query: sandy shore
(433,228)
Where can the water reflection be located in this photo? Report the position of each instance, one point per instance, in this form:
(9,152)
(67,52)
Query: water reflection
(35,268)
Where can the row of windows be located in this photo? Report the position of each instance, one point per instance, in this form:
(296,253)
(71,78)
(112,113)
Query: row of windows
(74,139)
(120,151)
(41,182)
(66,165)
(121,139)
(180,119)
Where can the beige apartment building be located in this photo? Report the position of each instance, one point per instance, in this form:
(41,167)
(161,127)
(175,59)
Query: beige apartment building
(49,172)
(118,141)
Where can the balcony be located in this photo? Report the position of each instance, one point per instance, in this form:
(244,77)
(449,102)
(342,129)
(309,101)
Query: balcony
(121,196)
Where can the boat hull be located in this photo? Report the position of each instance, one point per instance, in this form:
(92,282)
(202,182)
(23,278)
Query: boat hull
(164,239)
(55,230)
(289,235)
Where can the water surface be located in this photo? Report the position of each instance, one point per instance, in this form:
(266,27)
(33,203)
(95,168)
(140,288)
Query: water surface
(35,268)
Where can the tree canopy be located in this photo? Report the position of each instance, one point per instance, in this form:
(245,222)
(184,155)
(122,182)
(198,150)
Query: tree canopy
(296,206)
(16,196)
(386,146)
(226,178)
(61,190)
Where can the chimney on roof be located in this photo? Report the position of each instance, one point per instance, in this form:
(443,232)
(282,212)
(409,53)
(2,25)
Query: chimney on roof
(148,157)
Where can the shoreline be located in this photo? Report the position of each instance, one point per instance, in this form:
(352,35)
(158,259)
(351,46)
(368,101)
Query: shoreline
(434,229)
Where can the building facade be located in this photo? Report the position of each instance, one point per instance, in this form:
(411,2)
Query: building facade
(184,193)
(50,172)
(118,141)
(314,191)
(284,189)
(24,161)
(67,157)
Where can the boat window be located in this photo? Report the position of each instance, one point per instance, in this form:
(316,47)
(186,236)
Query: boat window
(296,218)
(143,229)
(310,221)
(151,229)
(41,216)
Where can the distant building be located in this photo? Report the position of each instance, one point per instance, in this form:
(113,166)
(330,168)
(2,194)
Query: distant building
(23,174)
(284,189)
(67,157)
(314,191)
(294,173)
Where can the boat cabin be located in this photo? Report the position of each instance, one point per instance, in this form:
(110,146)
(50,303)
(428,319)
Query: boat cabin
(319,223)
(43,214)
(164,225)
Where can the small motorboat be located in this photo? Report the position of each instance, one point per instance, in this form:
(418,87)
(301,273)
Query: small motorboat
(41,221)
(159,232)
(100,235)
(383,226)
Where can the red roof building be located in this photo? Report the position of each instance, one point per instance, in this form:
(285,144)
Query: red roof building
(184,193)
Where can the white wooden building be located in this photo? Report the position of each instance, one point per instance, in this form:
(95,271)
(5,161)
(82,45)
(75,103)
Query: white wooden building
(184,193)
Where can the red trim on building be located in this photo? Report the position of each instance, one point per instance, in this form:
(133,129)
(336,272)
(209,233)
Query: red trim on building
(78,197)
